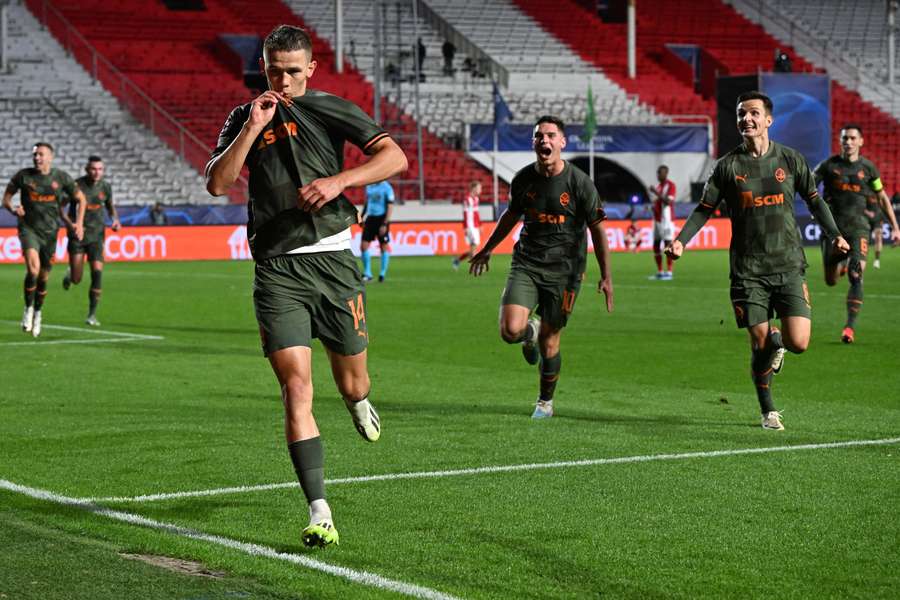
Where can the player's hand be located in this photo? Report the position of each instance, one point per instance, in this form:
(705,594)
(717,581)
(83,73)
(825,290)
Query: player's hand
(606,287)
(116,225)
(262,109)
(841,245)
(79,231)
(895,237)
(19,211)
(479,264)
(675,249)
(319,192)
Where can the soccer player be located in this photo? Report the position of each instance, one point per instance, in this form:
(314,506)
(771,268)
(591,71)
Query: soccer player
(663,196)
(557,202)
(42,190)
(307,283)
(848,179)
(757,181)
(471,222)
(377,215)
(98,193)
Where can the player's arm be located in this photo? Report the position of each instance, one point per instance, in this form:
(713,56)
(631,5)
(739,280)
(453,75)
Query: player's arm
(19,211)
(113,213)
(711,198)
(223,170)
(885,206)
(805,185)
(387,160)
(79,215)
(601,252)
(64,214)
(478,264)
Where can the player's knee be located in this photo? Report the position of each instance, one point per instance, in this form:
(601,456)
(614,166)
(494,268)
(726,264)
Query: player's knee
(297,394)
(511,332)
(797,346)
(355,388)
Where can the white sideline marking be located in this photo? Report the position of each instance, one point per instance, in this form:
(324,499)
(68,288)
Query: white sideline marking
(361,577)
(498,469)
(117,336)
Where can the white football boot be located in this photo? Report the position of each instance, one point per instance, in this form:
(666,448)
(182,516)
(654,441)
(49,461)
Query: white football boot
(28,319)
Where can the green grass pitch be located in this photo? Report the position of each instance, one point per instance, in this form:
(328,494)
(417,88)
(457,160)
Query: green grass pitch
(186,402)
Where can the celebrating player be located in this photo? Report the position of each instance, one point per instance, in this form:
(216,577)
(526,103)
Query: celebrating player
(557,201)
(757,181)
(848,179)
(663,196)
(307,283)
(42,191)
(471,222)
(98,193)
(377,224)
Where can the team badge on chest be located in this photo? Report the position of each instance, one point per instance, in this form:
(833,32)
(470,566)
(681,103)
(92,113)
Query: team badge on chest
(564,199)
(779,175)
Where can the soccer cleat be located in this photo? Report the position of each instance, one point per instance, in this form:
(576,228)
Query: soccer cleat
(28,319)
(772,420)
(92,321)
(667,276)
(656,277)
(847,335)
(320,534)
(530,349)
(456,264)
(67,280)
(36,324)
(778,356)
(365,419)
(876,263)
(367,278)
(543,409)
(381,279)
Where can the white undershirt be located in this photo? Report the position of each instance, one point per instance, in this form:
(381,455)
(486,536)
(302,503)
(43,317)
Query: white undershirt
(332,243)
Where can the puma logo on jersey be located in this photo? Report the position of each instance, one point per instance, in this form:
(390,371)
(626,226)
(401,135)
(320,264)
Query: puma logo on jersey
(270,136)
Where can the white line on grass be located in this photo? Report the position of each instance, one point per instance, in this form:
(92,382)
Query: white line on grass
(117,336)
(498,469)
(361,577)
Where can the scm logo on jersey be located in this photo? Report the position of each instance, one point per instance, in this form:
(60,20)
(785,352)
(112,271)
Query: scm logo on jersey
(748,200)
(279,132)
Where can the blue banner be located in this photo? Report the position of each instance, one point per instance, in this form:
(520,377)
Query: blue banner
(802,114)
(608,138)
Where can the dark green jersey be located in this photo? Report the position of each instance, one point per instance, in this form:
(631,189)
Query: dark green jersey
(759,195)
(556,211)
(303,142)
(99,197)
(846,188)
(41,197)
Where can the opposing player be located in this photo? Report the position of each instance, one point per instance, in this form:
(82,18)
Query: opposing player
(307,283)
(42,191)
(557,202)
(471,222)
(757,181)
(848,178)
(663,196)
(377,224)
(98,193)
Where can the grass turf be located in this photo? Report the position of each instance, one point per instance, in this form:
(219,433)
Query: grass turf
(667,372)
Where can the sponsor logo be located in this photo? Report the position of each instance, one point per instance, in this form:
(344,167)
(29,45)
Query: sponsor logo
(564,198)
(270,136)
(35,197)
(848,187)
(546,217)
(779,175)
(135,247)
(748,200)
(238,246)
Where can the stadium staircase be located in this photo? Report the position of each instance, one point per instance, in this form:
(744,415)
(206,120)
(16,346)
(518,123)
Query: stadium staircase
(47,96)
(738,44)
(172,56)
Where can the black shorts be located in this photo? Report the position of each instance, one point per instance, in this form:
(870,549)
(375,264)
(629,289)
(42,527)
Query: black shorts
(553,297)
(371,230)
(758,299)
(44,242)
(93,247)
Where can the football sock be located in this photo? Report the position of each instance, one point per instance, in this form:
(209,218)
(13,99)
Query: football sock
(40,293)
(29,287)
(761,371)
(669,264)
(878,255)
(527,333)
(550,375)
(775,339)
(385,259)
(367,263)
(308,457)
(95,291)
(319,511)
(854,297)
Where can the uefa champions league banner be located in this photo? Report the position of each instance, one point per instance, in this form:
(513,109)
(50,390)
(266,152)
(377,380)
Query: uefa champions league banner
(802,115)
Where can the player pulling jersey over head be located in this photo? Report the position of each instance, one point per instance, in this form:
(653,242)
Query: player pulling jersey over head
(556,201)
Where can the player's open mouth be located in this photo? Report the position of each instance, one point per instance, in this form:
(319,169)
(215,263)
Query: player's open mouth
(545,150)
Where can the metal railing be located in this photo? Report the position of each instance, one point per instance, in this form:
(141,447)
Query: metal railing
(153,116)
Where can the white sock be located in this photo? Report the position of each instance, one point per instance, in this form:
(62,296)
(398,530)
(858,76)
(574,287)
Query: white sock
(319,511)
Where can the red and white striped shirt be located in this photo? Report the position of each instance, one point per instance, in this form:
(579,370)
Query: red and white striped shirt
(471,217)
(662,212)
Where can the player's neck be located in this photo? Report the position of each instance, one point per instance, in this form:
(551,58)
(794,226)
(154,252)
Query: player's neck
(550,169)
(757,146)
(45,170)
(850,157)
